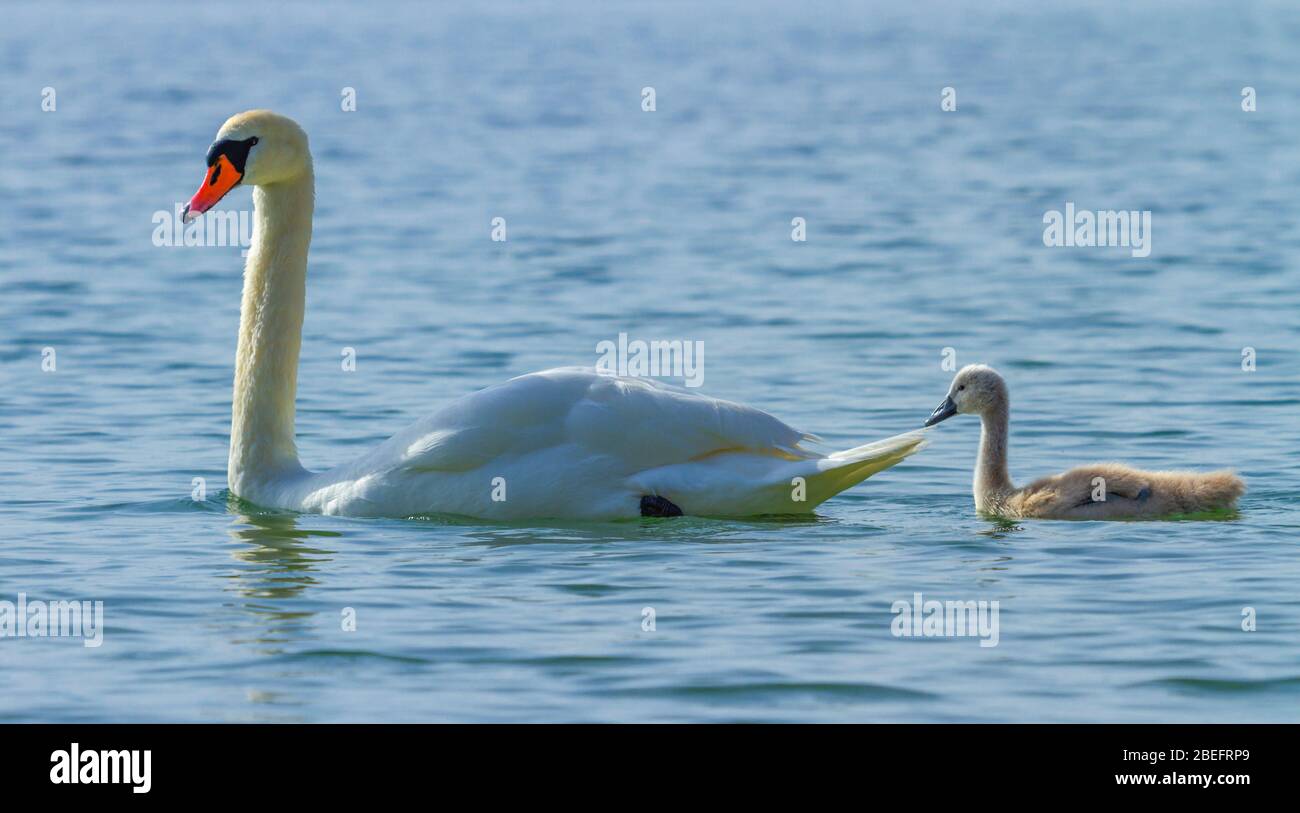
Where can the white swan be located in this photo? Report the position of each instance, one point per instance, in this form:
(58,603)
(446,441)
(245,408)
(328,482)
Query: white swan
(565,443)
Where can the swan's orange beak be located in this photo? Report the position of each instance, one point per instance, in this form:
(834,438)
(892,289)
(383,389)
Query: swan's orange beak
(221,178)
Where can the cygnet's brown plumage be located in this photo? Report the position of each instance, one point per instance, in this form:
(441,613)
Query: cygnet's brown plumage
(1125,493)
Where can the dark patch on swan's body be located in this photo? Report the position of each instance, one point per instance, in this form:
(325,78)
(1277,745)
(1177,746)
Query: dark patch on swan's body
(1142,495)
(653,506)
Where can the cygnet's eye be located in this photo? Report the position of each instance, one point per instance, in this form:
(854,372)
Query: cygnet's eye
(962,387)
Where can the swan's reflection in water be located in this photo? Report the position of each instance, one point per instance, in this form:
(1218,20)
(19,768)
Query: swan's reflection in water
(1000,527)
(676,529)
(277,563)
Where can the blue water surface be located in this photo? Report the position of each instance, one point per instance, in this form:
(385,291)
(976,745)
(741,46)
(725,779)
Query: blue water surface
(924,232)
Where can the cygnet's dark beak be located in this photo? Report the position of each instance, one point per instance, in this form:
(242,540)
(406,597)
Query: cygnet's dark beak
(942,412)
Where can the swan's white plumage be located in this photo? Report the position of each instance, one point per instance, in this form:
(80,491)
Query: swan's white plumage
(564,443)
(574,443)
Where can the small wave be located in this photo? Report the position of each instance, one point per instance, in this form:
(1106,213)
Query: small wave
(1221,686)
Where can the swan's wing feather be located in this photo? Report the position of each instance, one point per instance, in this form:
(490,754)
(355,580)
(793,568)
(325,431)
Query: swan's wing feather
(641,423)
(655,423)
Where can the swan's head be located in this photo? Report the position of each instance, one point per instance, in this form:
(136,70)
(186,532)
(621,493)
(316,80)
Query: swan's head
(975,390)
(257,148)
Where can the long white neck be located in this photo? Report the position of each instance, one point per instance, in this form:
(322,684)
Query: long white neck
(270,336)
(992,480)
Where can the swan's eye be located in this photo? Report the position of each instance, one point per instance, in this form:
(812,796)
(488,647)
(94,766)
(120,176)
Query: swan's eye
(962,387)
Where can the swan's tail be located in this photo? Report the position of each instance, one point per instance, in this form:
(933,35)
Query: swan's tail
(1192,492)
(740,484)
(846,469)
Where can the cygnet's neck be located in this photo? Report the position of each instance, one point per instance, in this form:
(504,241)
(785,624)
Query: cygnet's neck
(992,480)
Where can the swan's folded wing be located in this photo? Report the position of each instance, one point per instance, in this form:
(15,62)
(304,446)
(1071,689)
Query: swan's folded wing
(516,417)
(653,424)
(641,423)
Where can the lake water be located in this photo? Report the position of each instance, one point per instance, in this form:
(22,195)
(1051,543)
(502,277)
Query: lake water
(924,232)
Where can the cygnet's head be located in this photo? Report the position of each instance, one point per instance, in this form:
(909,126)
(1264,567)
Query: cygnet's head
(975,389)
(257,148)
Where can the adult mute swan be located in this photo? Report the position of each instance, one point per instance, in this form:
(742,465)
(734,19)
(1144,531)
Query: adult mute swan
(564,443)
(1099,491)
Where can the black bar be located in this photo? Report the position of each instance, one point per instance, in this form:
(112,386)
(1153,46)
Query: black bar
(301,762)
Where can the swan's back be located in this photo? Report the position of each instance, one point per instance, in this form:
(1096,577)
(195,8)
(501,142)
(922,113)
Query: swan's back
(643,422)
(1127,493)
(567,442)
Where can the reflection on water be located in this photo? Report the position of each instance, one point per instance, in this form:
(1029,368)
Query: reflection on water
(644,529)
(279,567)
(1000,527)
